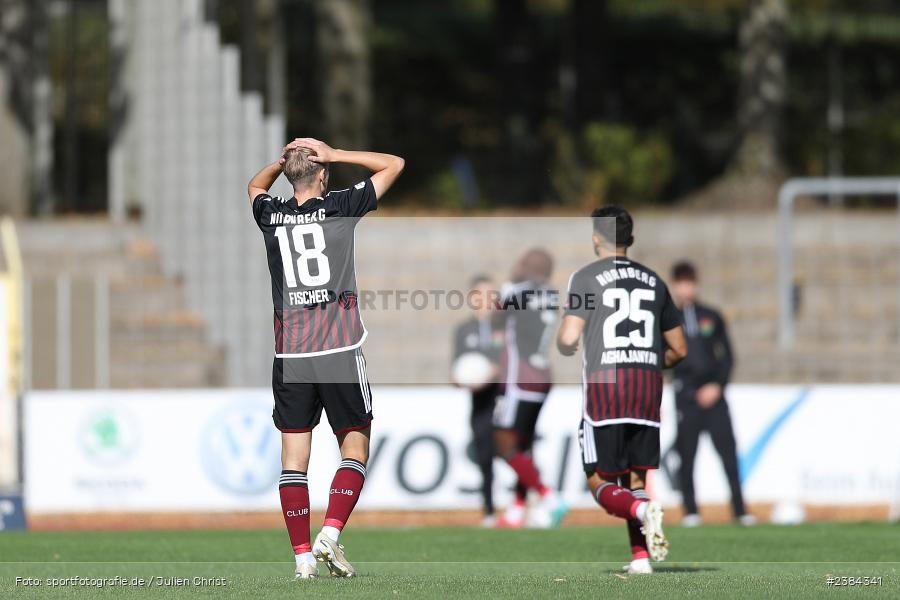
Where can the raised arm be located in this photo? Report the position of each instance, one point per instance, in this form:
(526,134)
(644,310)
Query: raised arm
(263,180)
(385,167)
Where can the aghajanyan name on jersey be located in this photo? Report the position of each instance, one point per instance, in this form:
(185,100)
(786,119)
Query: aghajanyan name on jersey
(611,357)
(279,218)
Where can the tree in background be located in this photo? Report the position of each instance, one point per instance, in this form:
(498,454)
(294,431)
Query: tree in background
(258,28)
(592,52)
(342,53)
(755,171)
(252,76)
(518,97)
(24,40)
(598,157)
(512,86)
(762,41)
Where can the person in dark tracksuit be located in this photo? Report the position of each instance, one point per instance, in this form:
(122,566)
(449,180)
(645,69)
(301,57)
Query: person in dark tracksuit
(699,382)
(478,335)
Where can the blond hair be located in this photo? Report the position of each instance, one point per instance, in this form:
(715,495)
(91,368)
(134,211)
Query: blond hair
(301,171)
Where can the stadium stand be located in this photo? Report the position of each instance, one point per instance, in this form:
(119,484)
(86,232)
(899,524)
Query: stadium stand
(160,338)
(154,339)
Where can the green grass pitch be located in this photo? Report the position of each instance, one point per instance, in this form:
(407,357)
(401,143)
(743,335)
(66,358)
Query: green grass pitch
(708,562)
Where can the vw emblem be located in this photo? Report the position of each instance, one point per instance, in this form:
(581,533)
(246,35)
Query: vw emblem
(240,449)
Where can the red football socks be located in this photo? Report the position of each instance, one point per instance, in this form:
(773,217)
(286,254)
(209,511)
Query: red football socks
(618,501)
(527,472)
(292,487)
(636,538)
(345,488)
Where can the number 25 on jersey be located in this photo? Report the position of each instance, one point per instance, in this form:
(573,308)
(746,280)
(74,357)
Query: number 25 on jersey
(628,306)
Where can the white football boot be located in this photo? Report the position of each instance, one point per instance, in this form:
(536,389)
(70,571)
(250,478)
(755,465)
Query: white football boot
(640,566)
(514,516)
(747,520)
(488,522)
(652,526)
(328,551)
(548,511)
(691,520)
(306,571)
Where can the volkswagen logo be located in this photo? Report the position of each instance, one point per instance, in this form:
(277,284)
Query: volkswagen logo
(240,449)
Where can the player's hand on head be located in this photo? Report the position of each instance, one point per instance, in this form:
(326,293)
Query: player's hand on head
(321,152)
(293,145)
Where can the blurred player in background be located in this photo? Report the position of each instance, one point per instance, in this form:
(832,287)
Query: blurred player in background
(477,335)
(631,331)
(699,383)
(527,316)
(318,332)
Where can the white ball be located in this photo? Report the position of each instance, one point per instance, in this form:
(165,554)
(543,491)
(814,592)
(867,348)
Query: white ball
(472,370)
(788,513)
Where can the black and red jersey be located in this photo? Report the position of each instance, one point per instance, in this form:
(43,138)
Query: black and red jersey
(627,307)
(528,316)
(310,248)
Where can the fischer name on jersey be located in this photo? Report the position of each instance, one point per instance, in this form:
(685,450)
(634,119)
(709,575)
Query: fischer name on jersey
(310,249)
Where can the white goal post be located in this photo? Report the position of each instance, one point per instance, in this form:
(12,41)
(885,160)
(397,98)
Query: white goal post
(822,186)
(816,186)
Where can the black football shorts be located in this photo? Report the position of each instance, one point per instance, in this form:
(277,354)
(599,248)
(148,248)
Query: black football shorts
(335,382)
(614,450)
(518,410)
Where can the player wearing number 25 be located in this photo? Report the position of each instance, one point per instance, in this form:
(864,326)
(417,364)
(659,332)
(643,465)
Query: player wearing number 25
(631,331)
(318,331)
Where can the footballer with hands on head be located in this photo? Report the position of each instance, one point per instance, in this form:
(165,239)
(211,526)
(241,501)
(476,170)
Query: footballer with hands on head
(318,331)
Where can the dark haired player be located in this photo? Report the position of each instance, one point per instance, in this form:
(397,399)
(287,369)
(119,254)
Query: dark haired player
(631,330)
(318,332)
(528,315)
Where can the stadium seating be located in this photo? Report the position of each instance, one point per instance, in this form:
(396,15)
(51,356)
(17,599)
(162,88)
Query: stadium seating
(155,340)
(160,338)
